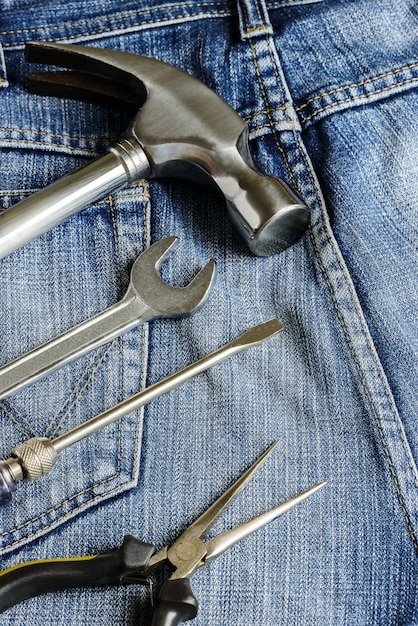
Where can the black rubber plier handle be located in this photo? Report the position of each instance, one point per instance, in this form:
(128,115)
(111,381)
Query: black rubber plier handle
(135,560)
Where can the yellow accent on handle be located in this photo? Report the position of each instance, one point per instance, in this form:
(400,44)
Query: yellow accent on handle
(76,558)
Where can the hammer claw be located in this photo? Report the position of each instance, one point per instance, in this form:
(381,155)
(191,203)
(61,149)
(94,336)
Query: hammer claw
(86,87)
(90,72)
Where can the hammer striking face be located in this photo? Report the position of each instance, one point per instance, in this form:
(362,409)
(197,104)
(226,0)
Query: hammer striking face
(181,128)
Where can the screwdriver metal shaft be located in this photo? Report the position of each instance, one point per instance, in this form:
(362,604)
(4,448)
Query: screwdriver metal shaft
(37,456)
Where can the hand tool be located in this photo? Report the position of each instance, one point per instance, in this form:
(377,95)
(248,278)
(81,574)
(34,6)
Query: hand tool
(37,455)
(181,128)
(135,560)
(148,297)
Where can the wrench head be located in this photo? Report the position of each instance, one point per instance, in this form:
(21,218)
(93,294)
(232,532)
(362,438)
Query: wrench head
(185,130)
(162,299)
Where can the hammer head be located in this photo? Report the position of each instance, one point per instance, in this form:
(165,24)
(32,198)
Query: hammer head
(185,129)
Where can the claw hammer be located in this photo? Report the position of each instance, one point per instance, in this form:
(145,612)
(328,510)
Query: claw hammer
(181,128)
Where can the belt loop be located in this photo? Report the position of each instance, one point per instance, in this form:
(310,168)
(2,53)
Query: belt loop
(253,19)
(3,74)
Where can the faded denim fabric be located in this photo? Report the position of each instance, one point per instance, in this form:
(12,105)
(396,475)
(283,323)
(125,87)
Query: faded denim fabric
(328,89)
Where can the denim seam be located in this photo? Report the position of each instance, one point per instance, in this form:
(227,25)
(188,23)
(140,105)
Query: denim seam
(97,365)
(76,495)
(74,403)
(62,148)
(111,31)
(359,84)
(113,16)
(51,135)
(340,316)
(264,112)
(15,421)
(367,392)
(131,14)
(359,99)
(353,353)
(109,478)
(347,279)
(53,422)
(355,99)
(268,110)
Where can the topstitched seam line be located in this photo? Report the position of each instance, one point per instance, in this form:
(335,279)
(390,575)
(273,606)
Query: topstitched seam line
(86,490)
(94,140)
(353,353)
(100,361)
(113,31)
(263,92)
(365,330)
(96,484)
(16,422)
(69,397)
(359,97)
(56,507)
(368,395)
(359,84)
(108,18)
(82,390)
(277,75)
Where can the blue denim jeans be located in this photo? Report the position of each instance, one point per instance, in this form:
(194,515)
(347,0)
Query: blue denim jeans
(327,89)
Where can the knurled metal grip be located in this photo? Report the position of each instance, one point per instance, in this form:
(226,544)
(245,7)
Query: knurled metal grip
(37,456)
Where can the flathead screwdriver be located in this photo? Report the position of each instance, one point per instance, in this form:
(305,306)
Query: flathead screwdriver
(36,456)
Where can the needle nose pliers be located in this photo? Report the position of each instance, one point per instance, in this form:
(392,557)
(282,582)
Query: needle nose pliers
(135,560)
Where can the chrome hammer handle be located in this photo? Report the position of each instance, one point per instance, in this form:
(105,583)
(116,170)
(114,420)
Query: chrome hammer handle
(32,217)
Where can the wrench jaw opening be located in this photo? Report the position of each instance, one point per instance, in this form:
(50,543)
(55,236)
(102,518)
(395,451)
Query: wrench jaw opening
(163,299)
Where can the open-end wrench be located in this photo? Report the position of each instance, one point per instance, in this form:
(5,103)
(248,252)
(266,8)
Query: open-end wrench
(148,297)
(181,128)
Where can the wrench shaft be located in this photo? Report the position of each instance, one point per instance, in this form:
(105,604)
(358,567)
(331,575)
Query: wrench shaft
(147,298)
(72,344)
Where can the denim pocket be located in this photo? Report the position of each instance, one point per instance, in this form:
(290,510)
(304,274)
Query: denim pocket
(53,283)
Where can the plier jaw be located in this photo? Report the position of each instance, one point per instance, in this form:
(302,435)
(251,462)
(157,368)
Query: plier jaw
(190,551)
(135,560)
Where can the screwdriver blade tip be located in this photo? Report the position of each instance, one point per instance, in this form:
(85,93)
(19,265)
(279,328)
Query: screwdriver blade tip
(259,333)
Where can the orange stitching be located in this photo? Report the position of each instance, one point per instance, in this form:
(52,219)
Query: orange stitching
(92,487)
(115,16)
(16,422)
(363,82)
(276,72)
(248,31)
(83,388)
(260,82)
(257,113)
(261,26)
(356,98)
(355,359)
(113,30)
